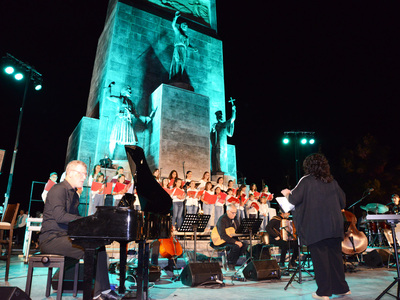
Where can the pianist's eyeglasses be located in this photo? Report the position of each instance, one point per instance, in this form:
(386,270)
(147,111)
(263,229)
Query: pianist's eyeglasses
(83,174)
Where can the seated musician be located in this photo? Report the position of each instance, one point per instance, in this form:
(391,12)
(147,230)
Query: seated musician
(61,207)
(396,204)
(275,237)
(227,225)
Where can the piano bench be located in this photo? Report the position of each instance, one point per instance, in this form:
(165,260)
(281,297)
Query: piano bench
(50,261)
(222,250)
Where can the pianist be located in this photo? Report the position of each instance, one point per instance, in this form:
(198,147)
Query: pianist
(61,208)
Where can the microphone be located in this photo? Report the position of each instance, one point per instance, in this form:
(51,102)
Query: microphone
(284,227)
(370,190)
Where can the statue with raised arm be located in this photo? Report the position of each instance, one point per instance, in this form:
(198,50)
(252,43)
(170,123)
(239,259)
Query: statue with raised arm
(220,132)
(122,132)
(181,46)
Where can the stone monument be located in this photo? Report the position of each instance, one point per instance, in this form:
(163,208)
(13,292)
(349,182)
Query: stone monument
(172,119)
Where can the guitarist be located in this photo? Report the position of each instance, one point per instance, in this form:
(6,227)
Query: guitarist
(227,225)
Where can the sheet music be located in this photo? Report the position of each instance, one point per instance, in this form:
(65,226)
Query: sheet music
(285,204)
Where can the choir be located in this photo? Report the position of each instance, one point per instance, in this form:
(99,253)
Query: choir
(189,196)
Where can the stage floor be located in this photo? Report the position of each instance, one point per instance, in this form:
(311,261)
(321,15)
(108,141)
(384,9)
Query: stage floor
(365,283)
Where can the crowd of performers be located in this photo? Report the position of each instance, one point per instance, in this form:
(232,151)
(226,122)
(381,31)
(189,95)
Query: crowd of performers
(190,197)
(317,191)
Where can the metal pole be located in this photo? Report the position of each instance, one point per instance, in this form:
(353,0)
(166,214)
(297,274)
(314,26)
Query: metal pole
(21,111)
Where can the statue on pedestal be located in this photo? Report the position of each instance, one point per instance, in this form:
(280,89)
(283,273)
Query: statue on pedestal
(122,132)
(181,45)
(218,136)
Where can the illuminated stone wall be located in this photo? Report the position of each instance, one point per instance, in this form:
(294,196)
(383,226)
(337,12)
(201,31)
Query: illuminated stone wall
(135,48)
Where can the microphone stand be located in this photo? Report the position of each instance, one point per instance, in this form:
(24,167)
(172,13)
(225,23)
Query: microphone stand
(362,198)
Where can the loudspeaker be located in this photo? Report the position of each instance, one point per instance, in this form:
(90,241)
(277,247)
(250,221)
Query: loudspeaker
(12,293)
(201,273)
(262,269)
(373,259)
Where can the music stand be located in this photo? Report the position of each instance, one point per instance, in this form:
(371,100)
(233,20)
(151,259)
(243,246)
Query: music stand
(194,223)
(248,226)
(300,268)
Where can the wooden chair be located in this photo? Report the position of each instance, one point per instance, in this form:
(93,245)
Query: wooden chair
(7,224)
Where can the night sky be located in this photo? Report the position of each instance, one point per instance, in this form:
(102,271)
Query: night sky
(327,67)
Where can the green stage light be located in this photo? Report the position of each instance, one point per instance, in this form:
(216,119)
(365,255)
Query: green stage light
(38,87)
(286,141)
(303,141)
(9,70)
(19,76)
(311,141)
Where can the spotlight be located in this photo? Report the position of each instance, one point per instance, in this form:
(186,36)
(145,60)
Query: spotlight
(303,141)
(311,141)
(37,83)
(19,76)
(9,70)
(286,141)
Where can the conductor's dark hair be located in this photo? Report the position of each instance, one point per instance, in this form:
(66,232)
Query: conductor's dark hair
(317,165)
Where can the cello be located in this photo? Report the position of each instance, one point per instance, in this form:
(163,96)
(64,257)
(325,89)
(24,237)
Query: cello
(170,248)
(355,241)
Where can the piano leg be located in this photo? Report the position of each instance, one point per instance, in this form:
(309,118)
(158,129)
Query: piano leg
(88,270)
(146,271)
(140,270)
(122,266)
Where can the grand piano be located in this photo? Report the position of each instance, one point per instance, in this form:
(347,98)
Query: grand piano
(124,224)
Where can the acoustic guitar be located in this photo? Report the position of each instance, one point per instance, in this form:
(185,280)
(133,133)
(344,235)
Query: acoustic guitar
(216,238)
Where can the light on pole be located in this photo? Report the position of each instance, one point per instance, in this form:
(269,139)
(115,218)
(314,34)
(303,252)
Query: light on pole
(19,70)
(299,138)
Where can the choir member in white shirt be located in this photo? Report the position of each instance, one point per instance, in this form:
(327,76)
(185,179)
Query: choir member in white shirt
(208,209)
(178,197)
(219,207)
(192,203)
(203,181)
(220,184)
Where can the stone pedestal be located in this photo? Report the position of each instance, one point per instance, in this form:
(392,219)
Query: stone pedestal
(180,132)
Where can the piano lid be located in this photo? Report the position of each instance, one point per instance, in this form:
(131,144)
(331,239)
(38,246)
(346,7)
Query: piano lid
(152,196)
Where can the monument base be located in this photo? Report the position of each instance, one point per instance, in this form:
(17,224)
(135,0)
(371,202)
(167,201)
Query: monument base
(182,85)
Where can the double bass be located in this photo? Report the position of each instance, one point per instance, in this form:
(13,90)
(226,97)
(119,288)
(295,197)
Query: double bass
(355,241)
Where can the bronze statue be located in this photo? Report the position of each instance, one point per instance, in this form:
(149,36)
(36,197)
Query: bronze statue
(181,45)
(122,132)
(219,133)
